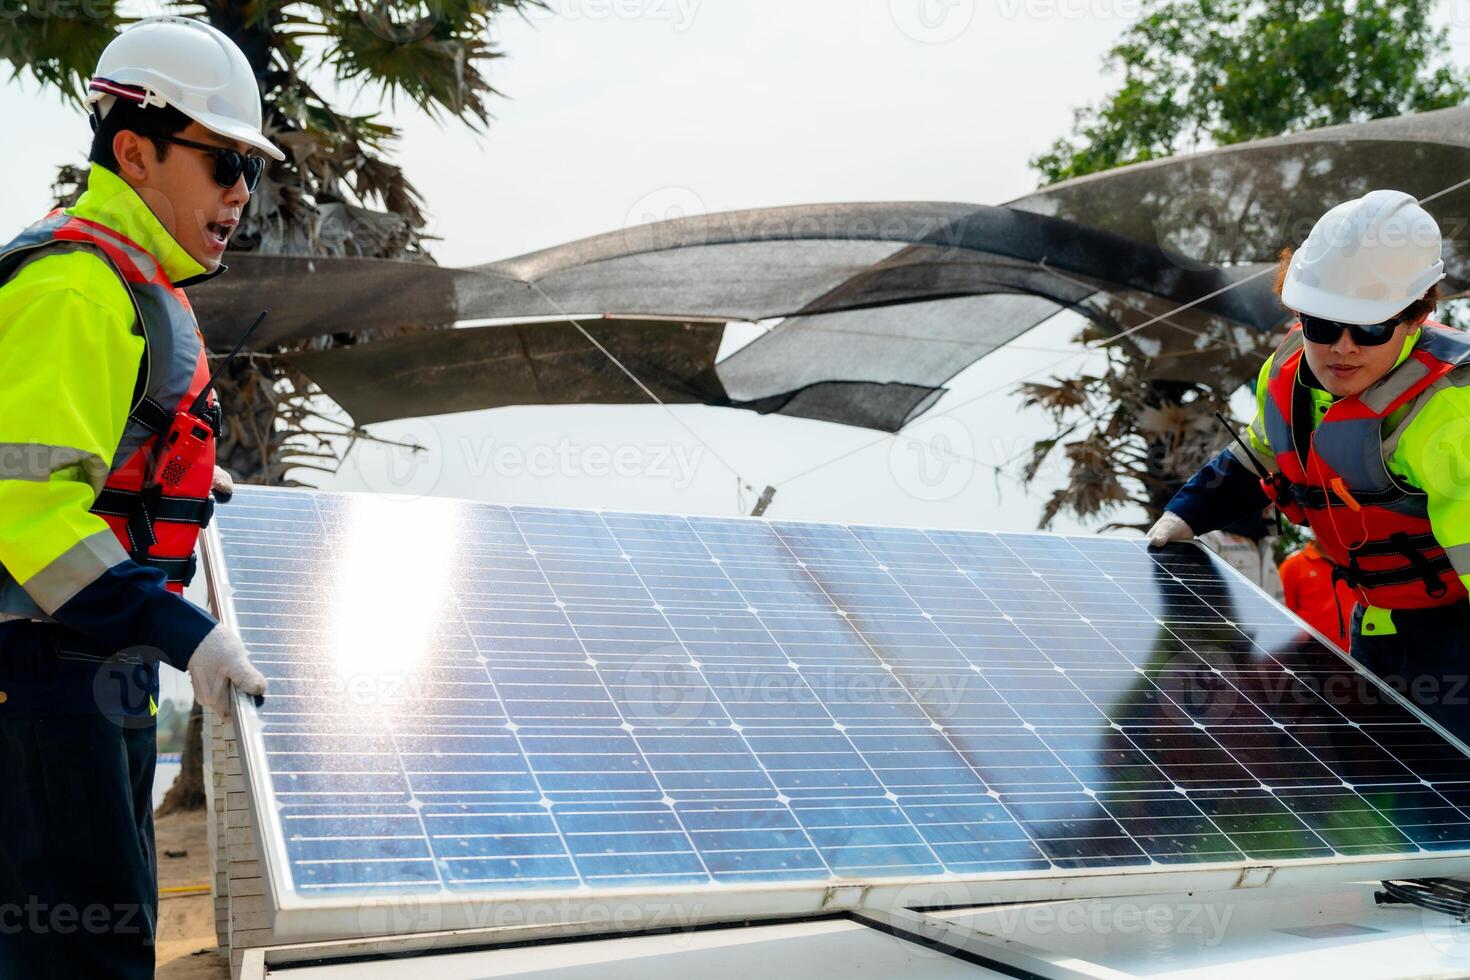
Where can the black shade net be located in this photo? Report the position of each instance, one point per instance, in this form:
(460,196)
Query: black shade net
(880,305)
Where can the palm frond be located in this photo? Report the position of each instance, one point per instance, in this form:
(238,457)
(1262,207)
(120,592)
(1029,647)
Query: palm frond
(58,44)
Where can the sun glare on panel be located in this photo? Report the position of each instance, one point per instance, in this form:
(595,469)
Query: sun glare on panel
(392,589)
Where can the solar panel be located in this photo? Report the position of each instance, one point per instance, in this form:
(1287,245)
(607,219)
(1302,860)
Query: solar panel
(473,703)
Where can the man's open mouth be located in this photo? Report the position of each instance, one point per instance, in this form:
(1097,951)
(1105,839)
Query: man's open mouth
(219,231)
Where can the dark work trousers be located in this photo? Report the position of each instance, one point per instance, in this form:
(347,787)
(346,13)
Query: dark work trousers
(1426,659)
(78,871)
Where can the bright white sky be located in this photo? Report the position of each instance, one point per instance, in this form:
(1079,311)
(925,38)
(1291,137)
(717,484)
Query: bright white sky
(618,110)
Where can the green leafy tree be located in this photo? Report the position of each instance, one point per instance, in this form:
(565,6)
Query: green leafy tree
(337,193)
(1197,74)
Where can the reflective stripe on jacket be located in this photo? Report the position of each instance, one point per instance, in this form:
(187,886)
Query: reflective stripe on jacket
(73,337)
(1383,477)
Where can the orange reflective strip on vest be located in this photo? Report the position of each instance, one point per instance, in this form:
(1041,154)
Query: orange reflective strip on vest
(1367,523)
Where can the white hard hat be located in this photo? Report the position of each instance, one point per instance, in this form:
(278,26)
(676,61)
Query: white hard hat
(184,63)
(1365,260)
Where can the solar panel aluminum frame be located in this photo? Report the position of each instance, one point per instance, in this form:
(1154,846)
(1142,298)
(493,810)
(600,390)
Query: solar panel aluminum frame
(596,911)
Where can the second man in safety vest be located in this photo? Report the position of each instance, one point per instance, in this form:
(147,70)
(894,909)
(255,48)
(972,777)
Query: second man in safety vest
(1362,431)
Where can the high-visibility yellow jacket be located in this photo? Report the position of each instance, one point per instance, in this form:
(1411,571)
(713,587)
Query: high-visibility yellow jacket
(1429,443)
(70,355)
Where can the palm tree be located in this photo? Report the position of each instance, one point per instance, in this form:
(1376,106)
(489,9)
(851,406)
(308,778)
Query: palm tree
(337,193)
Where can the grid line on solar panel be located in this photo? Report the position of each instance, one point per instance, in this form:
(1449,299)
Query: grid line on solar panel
(613,699)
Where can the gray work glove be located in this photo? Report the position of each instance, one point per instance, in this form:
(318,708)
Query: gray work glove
(1171,527)
(219,661)
(224,485)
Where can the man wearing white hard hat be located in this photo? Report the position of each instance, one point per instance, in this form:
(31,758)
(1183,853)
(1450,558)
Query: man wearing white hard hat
(107,475)
(1362,432)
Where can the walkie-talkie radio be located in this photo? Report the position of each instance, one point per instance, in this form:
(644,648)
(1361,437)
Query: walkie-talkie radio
(184,443)
(187,438)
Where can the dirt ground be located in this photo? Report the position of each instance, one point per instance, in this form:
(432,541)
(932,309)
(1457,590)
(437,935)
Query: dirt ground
(186,945)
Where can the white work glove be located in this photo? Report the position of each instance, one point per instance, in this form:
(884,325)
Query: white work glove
(1170,527)
(219,661)
(224,485)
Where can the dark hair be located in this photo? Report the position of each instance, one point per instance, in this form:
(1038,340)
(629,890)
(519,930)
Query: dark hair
(1422,307)
(151,121)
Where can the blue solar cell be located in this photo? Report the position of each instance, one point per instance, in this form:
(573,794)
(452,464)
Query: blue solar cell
(468,699)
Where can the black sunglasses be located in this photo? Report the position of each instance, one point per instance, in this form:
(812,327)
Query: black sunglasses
(229,164)
(1320,331)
